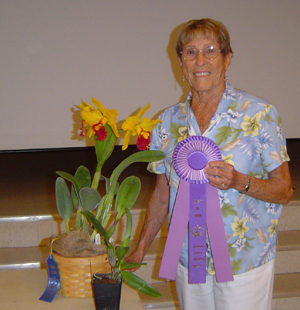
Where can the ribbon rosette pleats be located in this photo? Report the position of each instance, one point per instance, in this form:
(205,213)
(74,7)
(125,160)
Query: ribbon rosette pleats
(196,207)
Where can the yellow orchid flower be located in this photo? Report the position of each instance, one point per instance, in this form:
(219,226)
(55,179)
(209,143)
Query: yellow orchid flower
(98,117)
(111,115)
(90,118)
(133,127)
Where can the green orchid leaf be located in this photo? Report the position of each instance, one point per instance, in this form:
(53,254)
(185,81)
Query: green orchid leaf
(127,234)
(107,181)
(111,255)
(142,156)
(139,284)
(69,177)
(106,214)
(78,219)
(101,208)
(111,229)
(121,251)
(104,148)
(89,198)
(126,266)
(63,201)
(97,225)
(127,194)
(74,196)
(83,175)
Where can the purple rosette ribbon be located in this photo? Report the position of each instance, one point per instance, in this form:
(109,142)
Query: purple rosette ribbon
(197,207)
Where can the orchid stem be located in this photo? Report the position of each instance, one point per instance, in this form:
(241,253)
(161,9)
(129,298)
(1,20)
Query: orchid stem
(96,178)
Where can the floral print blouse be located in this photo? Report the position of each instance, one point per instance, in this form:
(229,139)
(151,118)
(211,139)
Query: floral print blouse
(249,133)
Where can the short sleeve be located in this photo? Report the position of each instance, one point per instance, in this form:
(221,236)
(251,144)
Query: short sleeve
(155,144)
(273,141)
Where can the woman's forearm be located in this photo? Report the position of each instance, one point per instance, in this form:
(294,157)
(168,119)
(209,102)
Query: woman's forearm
(156,214)
(276,189)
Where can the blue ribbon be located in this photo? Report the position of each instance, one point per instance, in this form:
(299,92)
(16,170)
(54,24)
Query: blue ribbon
(53,280)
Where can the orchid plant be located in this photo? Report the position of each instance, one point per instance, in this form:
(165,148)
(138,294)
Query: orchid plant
(99,123)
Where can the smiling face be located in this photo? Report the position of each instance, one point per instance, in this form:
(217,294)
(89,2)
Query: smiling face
(205,76)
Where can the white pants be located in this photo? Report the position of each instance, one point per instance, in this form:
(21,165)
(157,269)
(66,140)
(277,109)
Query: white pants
(251,290)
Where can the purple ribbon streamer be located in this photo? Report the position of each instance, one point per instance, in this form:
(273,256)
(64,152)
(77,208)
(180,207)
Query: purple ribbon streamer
(217,237)
(197,233)
(177,230)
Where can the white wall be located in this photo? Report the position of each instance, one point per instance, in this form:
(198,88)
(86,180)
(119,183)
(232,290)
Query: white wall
(54,53)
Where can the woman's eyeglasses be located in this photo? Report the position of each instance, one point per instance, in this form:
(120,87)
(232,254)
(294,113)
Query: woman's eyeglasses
(209,52)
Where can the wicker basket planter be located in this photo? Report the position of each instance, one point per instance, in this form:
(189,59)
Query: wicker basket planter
(76,273)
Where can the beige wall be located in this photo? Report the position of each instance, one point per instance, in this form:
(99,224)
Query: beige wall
(55,53)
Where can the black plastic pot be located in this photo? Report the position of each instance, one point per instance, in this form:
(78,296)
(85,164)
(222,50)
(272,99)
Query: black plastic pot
(107,292)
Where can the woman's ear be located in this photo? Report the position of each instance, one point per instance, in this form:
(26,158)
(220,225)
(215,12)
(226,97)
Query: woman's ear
(180,62)
(228,60)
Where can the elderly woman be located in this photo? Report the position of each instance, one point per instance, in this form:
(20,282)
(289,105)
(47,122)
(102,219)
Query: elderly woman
(253,179)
